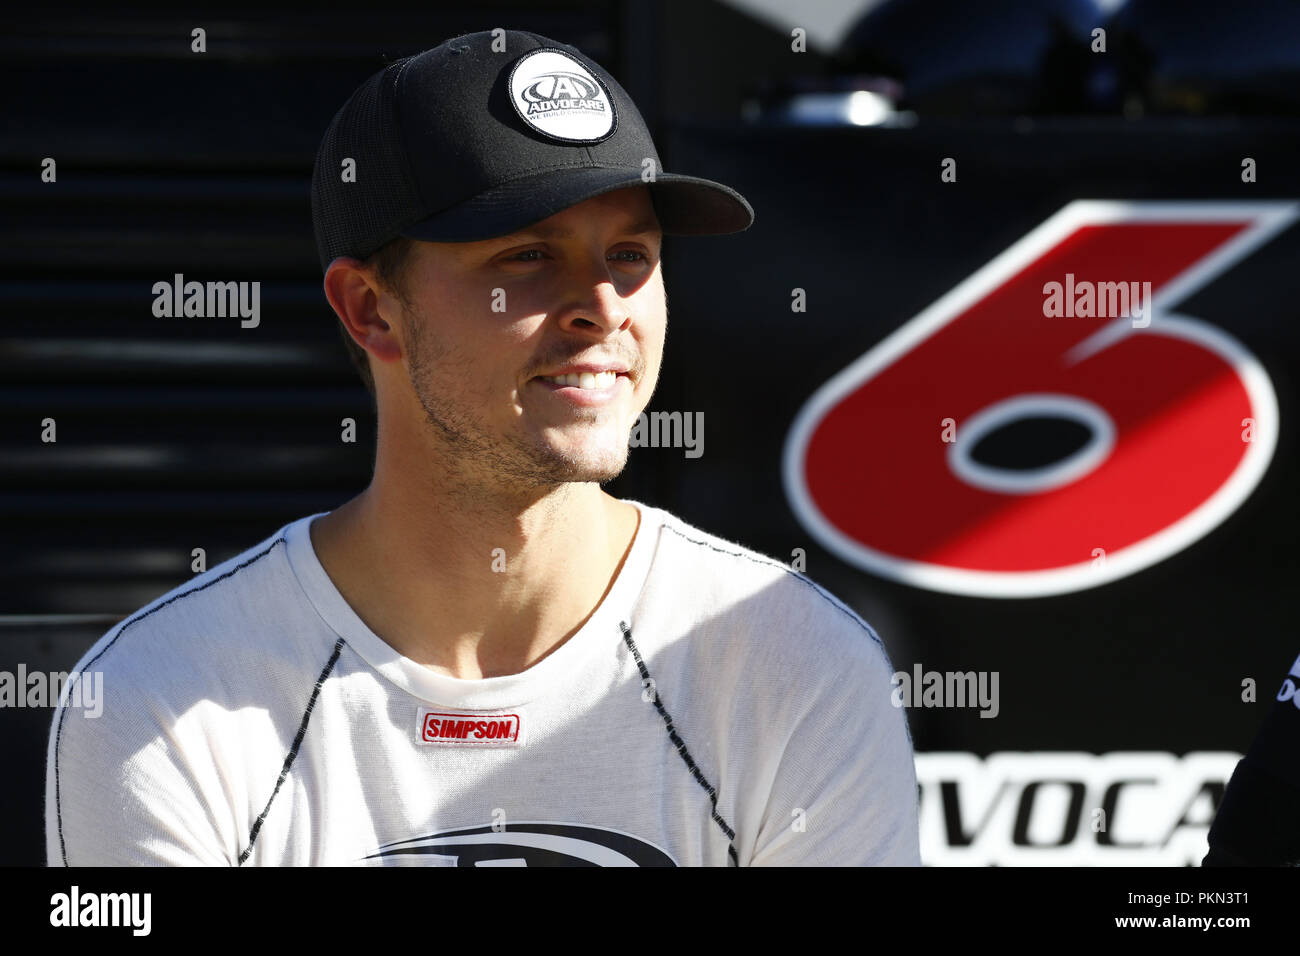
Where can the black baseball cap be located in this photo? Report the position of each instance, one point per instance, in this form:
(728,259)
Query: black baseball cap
(484,135)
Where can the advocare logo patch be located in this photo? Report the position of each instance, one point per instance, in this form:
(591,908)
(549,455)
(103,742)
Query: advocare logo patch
(558,96)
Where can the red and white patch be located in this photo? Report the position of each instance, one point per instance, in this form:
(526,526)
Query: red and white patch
(1169,405)
(470,730)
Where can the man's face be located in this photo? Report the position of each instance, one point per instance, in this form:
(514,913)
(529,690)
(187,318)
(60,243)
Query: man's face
(490,318)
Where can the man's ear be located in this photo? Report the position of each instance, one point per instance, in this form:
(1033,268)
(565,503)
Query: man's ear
(364,307)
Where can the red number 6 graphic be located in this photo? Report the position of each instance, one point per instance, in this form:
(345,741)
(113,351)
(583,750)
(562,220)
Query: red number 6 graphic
(1183,419)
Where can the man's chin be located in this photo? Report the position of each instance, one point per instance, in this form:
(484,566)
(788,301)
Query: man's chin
(599,472)
(587,466)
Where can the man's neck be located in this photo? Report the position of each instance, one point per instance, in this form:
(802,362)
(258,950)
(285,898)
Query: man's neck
(478,588)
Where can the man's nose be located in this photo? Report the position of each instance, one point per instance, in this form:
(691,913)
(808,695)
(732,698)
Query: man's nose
(596,301)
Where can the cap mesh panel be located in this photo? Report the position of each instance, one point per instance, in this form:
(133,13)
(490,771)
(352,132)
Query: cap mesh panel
(356,218)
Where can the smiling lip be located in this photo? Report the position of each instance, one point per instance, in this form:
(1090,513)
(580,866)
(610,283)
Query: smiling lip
(592,368)
(586,397)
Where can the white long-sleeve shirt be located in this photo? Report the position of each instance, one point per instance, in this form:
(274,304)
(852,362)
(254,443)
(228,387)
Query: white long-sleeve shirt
(716,709)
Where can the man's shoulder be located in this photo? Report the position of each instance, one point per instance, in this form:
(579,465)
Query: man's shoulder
(768,599)
(218,619)
(763,641)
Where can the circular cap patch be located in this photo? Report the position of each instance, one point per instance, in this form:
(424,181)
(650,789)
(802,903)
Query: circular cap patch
(559,97)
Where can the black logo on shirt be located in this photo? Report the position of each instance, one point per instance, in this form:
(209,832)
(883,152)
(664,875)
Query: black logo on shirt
(523,844)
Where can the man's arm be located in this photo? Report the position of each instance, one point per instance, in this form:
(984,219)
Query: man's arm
(845,791)
(119,792)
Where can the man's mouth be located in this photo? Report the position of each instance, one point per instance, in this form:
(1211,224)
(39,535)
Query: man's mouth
(585,380)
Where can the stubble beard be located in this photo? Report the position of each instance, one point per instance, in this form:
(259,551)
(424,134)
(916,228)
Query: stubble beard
(477,456)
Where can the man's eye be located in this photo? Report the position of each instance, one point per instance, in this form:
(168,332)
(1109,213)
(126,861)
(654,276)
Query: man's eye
(520,256)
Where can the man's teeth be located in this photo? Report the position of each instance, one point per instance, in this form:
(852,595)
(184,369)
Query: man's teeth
(584,379)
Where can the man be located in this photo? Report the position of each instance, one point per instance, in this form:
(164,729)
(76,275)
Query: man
(483,658)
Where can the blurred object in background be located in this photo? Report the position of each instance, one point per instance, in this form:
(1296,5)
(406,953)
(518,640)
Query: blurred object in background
(1208,58)
(854,100)
(993,58)
(905,59)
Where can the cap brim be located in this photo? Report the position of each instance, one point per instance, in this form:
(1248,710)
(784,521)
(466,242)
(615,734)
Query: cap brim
(685,205)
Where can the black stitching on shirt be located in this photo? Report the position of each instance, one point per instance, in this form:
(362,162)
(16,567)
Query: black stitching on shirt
(769,563)
(58,736)
(293,751)
(682,749)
